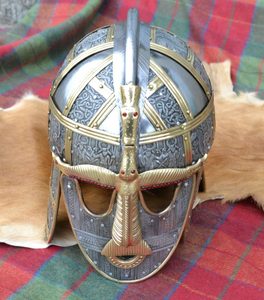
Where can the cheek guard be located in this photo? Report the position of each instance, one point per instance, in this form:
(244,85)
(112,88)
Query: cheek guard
(131,111)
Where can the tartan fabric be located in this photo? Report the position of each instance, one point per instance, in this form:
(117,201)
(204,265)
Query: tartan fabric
(223,256)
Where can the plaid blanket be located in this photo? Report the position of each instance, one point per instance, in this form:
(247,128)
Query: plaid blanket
(222,257)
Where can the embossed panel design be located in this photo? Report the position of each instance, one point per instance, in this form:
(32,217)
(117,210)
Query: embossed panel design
(163,154)
(171,41)
(167,107)
(106,75)
(91,40)
(90,151)
(86,105)
(202,138)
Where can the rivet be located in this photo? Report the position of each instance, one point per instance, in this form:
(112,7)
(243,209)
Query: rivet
(188,112)
(160,93)
(69,138)
(91,220)
(151,220)
(102,224)
(185,138)
(163,218)
(110,273)
(186,183)
(69,186)
(72,216)
(126,275)
(53,148)
(77,126)
(95,262)
(101,86)
(150,87)
(66,106)
(64,159)
(174,235)
(178,123)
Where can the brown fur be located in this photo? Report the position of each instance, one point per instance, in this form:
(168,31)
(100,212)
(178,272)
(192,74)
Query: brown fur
(234,168)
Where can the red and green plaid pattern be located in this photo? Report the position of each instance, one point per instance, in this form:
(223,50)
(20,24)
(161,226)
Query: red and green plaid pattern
(221,258)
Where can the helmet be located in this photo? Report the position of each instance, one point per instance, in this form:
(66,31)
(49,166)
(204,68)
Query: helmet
(131,122)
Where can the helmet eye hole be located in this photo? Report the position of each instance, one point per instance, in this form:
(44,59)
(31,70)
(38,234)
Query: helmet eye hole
(157,200)
(95,198)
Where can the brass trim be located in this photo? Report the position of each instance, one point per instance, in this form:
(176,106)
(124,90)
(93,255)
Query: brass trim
(153,34)
(48,233)
(178,130)
(103,112)
(100,87)
(88,173)
(153,86)
(77,60)
(110,34)
(109,179)
(68,145)
(168,176)
(190,56)
(153,116)
(86,79)
(83,129)
(187,148)
(172,88)
(177,57)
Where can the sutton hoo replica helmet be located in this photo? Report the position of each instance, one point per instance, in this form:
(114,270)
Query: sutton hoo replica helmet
(131,121)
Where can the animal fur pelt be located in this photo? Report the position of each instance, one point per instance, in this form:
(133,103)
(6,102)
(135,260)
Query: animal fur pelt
(234,169)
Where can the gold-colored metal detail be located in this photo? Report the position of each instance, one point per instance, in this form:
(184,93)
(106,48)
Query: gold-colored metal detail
(89,173)
(148,179)
(153,116)
(77,60)
(100,87)
(86,79)
(153,86)
(83,129)
(167,176)
(110,34)
(103,112)
(177,57)
(172,88)
(68,145)
(190,56)
(126,231)
(153,34)
(187,148)
(48,234)
(178,130)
